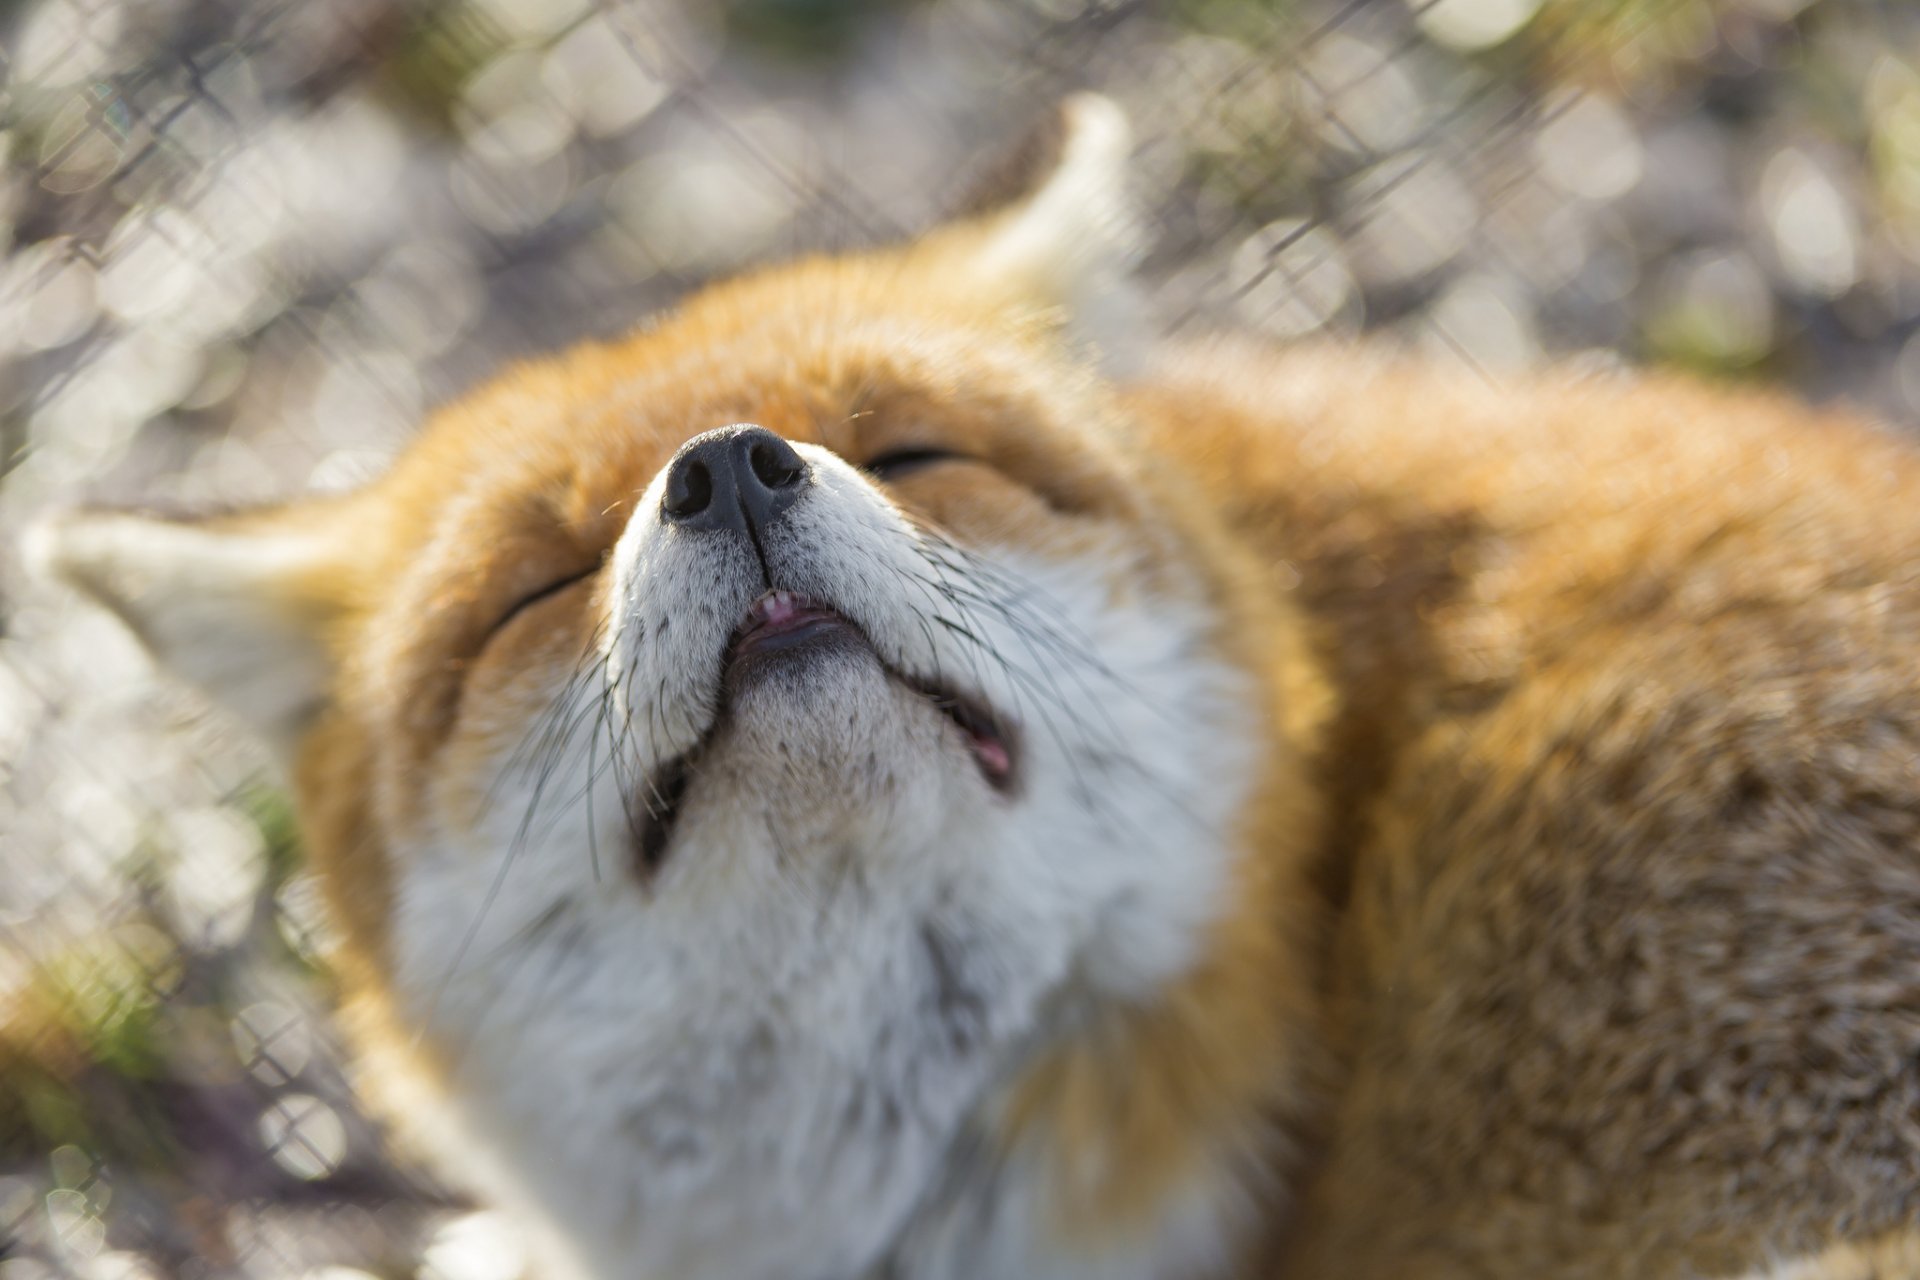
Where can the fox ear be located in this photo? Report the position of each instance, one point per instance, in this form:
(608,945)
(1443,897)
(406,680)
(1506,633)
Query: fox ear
(1057,226)
(241,606)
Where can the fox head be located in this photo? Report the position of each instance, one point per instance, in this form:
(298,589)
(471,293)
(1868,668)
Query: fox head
(797,780)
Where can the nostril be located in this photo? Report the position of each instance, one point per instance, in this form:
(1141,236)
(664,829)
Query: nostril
(689,489)
(741,477)
(776,465)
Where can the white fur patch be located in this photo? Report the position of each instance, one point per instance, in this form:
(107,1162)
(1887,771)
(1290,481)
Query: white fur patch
(765,1059)
(206,603)
(1076,238)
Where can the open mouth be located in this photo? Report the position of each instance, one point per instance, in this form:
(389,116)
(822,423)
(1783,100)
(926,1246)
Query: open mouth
(776,625)
(779,625)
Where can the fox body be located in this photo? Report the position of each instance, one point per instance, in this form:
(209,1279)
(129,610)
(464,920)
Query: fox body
(841,783)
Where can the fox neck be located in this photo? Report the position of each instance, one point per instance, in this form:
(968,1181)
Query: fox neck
(1133,1140)
(1167,1137)
(1138,1137)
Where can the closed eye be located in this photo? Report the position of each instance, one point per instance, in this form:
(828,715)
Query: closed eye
(899,462)
(551,589)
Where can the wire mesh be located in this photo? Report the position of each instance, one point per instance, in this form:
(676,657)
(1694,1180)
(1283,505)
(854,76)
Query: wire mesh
(248,242)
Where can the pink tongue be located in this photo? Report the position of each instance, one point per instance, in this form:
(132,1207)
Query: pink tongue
(993,755)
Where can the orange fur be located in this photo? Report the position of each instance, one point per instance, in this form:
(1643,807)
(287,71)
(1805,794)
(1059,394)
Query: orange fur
(1626,982)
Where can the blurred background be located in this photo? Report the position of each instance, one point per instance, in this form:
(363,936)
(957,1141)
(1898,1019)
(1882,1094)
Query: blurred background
(244,244)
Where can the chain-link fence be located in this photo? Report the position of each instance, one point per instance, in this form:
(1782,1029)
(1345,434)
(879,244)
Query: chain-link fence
(247,242)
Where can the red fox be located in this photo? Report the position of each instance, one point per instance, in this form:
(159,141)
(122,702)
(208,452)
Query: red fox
(878,775)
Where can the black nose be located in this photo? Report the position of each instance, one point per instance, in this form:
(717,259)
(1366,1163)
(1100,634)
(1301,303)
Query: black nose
(741,477)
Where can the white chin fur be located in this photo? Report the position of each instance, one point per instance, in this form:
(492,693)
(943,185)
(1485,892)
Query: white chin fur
(757,1061)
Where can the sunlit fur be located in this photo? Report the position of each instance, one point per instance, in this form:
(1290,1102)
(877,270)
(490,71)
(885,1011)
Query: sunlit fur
(1628,982)
(1458,830)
